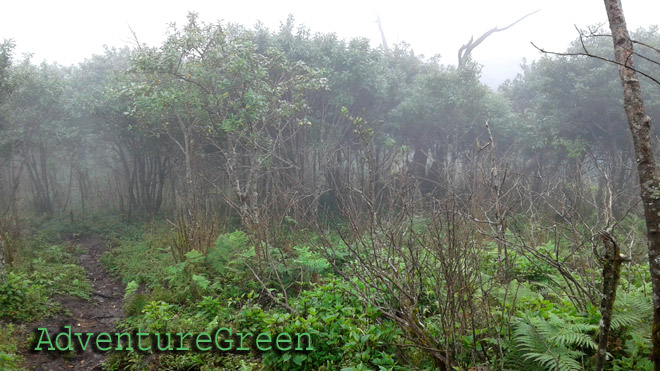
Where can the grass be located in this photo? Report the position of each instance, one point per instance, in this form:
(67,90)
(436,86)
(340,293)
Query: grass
(141,254)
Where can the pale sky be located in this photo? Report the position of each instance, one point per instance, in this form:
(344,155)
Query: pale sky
(70,31)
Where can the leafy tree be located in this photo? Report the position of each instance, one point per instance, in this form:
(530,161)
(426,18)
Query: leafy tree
(220,101)
(570,106)
(7,181)
(36,128)
(441,118)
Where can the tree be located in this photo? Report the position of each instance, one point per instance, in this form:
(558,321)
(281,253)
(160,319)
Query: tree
(360,80)
(235,115)
(571,108)
(640,125)
(441,117)
(465,51)
(37,129)
(8,180)
(139,163)
(9,186)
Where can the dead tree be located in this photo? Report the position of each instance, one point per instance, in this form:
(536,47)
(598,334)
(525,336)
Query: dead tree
(465,51)
(382,34)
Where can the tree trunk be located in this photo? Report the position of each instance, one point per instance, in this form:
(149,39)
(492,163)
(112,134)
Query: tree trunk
(611,261)
(640,124)
(418,169)
(3,271)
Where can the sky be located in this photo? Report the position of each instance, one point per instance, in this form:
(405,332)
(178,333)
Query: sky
(68,32)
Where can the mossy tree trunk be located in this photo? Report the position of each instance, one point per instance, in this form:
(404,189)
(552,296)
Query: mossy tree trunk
(611,261)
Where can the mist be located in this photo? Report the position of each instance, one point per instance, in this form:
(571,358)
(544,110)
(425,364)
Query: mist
(470,187)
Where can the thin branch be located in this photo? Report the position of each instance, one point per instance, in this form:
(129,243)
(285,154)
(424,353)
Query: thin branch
(137,42)
(647,58)
(593,34)
(270,294)
(587,54)
(646,45)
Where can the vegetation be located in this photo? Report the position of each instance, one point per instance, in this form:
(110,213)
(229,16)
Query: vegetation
(399,211)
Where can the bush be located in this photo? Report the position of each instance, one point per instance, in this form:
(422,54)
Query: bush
(344,332)
(20,298)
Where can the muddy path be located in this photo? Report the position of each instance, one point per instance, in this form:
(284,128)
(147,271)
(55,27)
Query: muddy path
(95,316)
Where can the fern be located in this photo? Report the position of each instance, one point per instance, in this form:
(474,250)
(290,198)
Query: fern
(631,309)
(554,343)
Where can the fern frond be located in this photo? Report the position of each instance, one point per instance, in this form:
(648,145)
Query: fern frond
(575,339)
(554,362)
(631,309)
(553,343)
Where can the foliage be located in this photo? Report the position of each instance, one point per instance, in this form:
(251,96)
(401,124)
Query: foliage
(548,342)
(30,286)
(397,209)
(230,252)
(132,251)
(21,299)
(344,332)
(10,359)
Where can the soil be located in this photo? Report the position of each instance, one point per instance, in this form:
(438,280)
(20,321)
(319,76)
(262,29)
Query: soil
(95,316)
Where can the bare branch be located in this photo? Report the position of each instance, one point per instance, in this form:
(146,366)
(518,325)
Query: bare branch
(587,54)
(135,38)
(466,50)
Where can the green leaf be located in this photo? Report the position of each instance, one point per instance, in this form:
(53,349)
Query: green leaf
(364,338)
(194,256)
(299,359)
(201,281)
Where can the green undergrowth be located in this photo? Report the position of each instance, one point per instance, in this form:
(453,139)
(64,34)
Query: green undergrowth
(44,268)
(540,326)
(140,253)
(536,324)
(217,289)
(10,358)
(42,271)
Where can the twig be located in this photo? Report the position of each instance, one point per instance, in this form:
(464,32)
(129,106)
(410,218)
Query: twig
(586,53)
(270,294)
(103,295)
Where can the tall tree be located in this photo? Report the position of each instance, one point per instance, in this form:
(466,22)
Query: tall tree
(640,124)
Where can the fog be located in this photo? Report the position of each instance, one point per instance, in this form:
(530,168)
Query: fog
(239,176)
(67,32)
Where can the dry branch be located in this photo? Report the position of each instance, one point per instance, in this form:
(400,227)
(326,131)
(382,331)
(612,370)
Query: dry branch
(466,50)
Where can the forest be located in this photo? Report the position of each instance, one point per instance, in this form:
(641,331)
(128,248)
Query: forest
(392,207)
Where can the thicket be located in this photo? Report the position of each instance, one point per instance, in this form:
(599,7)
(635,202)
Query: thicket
(403,213)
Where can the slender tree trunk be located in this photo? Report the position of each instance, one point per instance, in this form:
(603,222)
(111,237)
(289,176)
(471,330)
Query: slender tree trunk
(611,261)
(418,169)
(48,204)
(3,271)
(640,124)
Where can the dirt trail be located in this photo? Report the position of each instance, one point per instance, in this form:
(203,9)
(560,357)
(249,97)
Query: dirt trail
(95,316)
